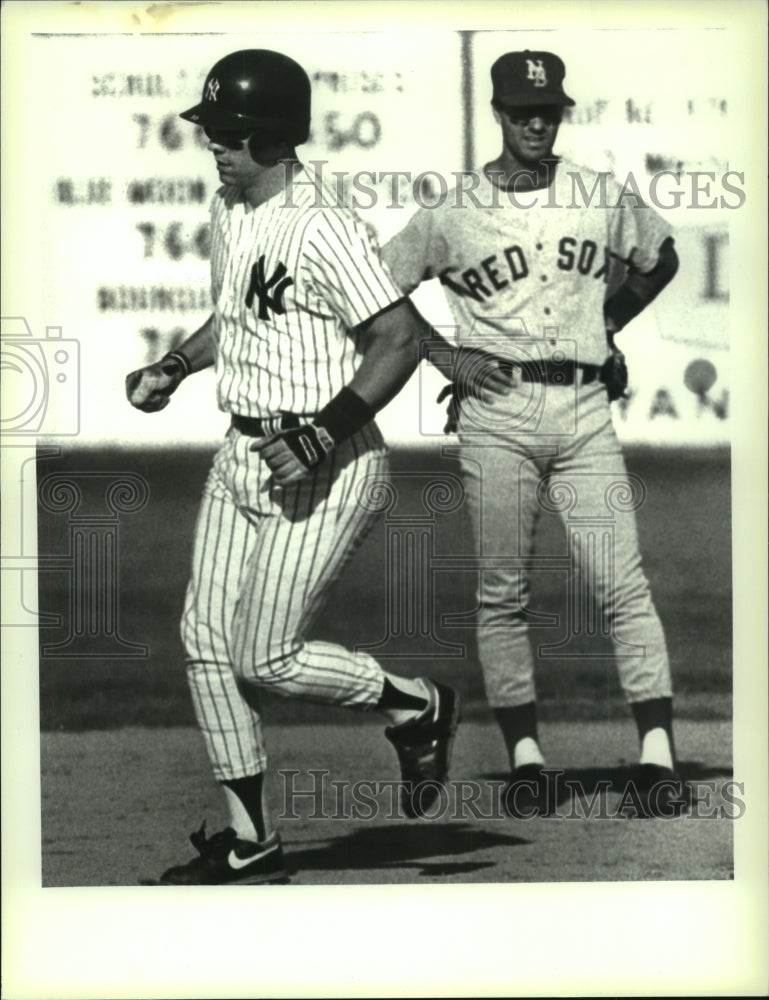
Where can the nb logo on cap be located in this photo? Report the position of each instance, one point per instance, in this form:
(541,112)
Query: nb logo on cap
(212,89)
(536,72)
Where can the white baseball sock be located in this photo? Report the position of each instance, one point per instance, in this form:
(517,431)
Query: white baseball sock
(527,752)
(655,748)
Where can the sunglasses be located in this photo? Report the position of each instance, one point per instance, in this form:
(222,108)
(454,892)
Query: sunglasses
(522,116)
(229,138)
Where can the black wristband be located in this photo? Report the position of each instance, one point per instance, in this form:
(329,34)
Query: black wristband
(623,306)
(183,360)
(346,414)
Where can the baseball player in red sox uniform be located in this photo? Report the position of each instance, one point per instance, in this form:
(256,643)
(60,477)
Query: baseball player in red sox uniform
(542,264)
(310,338)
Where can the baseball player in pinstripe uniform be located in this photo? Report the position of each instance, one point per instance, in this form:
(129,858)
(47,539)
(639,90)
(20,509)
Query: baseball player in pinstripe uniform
(540,274)
(309,338)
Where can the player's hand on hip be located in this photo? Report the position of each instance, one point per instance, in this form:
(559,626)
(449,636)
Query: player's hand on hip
(149,389)
(291,454)
(483,376)
(482,382)
(497,381)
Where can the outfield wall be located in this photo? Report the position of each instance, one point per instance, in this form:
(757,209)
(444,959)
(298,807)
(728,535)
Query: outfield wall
(111,260)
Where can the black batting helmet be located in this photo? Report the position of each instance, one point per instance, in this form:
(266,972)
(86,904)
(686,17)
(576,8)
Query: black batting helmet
(259,89)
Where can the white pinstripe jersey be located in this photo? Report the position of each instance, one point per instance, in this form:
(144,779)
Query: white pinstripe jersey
(538,272)
(290,281)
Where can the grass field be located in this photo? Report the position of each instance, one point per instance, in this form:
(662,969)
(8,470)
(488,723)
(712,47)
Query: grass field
(124,776)
(685,538)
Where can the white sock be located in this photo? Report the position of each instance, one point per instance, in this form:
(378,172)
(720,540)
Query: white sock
(527,752)
(419,689)
(656,748)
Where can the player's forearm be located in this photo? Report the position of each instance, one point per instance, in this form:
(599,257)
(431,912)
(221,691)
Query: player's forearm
(198,349)
(639,290)
(390,348)
(150,388)
(390,354)
(443,355)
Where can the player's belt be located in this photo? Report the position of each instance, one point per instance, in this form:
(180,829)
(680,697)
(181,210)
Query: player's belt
(260,426)
(551,373)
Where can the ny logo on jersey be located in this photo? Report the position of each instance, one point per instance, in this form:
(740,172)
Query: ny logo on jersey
(536,72)
(212,89)
(260,287)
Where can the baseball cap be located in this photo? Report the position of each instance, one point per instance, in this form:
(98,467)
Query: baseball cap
(525,78)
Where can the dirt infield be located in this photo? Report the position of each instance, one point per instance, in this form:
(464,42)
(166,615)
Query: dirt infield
(117,806)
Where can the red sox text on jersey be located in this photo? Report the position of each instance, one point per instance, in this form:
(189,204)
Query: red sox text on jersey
(522,281)
(491,275)
(547,266)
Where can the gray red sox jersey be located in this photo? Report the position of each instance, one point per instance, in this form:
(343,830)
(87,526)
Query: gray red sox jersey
(542,273)
(290,280)
(544,260)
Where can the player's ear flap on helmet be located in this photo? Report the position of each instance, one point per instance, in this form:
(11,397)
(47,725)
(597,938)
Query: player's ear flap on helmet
(266,147)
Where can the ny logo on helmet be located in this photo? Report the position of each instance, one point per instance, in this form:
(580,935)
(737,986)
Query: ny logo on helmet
(260,286)
(536,73)
(212,89)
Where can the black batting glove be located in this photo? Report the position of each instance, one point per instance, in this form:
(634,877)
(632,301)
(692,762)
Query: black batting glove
(292,453)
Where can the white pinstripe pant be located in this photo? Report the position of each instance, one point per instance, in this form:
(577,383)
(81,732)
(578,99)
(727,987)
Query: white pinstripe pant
(262,562)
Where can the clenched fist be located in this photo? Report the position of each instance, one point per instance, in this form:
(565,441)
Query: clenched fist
(291,454)
(150,389)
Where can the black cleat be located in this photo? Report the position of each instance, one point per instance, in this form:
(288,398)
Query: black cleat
(225,859)
(662,793)
(526,794)
(424,749)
